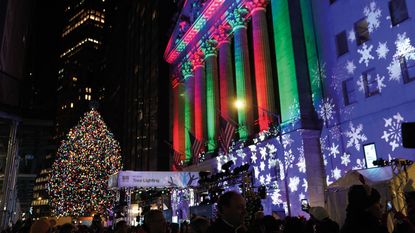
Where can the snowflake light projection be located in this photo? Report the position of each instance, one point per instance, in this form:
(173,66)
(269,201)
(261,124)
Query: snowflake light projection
(394,70)
(288,158)
(335,132)
(319,75)
(404,47)
(350,67)
(86,158)
(382,50)
(351,36)
(380,82)
(345,159)
(355,136)
(294,112)
(293,183)
(326,110)
(392,134)
(372,13)
(336,173)
(361,84)
(334,150)
(365,55)
(360,164)
(301,160)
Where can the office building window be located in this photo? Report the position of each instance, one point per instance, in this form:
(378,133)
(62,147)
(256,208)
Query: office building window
(349,93)
(398,11)
(407,68)
(370,83)
(362,31)
(341,43)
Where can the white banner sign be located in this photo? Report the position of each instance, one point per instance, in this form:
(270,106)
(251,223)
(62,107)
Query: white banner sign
(148,179)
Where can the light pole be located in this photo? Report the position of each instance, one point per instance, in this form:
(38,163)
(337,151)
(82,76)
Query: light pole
(240,104)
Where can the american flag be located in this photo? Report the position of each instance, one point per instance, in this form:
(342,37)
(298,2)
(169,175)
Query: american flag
(177,157)
(197,146)
(227,131)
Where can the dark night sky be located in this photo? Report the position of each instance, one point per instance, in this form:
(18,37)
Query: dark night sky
(44,53)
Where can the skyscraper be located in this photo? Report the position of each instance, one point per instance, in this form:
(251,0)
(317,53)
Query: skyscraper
(80,60)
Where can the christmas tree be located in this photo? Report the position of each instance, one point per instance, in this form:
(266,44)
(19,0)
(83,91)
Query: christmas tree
(84,162)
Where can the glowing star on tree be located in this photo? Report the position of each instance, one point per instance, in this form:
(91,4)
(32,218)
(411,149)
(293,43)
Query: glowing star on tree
(86,158)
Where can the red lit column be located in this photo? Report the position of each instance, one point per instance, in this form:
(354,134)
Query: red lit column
(226,80)
(262,61)
(242,72)
(200,95)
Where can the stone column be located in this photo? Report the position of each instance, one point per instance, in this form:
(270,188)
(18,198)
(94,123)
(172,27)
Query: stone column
(226,76)
(262,61)
(188,78)
(242,72)
(200,95)
(212,92)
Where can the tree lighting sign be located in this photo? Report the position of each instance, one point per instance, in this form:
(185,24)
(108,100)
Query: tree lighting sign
(141,179)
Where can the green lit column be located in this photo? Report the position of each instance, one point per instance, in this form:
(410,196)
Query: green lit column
(212,92)
(187,71)
(242,72)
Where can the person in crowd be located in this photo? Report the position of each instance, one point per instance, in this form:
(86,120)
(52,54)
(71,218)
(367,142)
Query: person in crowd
(40,226)
(406,224)
(364,211)
(231,209)
(67,228)
(271,225)
(97,226)
(154,222)
(321,221)
(199,225)
(121,227)
(294,225)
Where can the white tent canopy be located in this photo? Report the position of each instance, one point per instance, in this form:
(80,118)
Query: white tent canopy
(390,187)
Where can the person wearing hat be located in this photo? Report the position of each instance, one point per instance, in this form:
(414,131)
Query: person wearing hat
(321,220)
(40,226)
(364,211)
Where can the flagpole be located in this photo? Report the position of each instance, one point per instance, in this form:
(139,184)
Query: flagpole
(172,148)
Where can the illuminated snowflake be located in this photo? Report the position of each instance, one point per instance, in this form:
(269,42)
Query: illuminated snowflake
(365,55)
(293,183)
(351,35)
(392,134)
(272,149)
(263,152)
(361,84)
(286,140)
(325,162)
(394,70)
(262,166)
(372,14)
(350,67)
(345,159)
(301,162)
(334,150)
(253,157)
(305,184)
(380,82)
(360,164)
(241,154)
(382,50)
(326,110)
(276,197)
(404,47)
(256,172)
(328,181)
(288,158)
(262,180)
(335,132)
(268,179)
(319,74)
(294,111)
(282,174)
(336,173)
(355,136)
(272,163)
(323,143)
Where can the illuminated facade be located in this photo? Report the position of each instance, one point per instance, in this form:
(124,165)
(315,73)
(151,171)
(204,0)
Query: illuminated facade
(338,74)
(80,65)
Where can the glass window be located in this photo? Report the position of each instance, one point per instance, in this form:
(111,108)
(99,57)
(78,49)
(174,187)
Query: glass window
(341,43)
(398,11)
(370,83)
(349,94)
(407,68)
(362,31)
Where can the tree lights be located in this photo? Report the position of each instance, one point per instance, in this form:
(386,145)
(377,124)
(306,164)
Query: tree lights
(85,160)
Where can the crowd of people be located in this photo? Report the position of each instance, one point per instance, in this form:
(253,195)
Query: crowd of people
(365,214)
